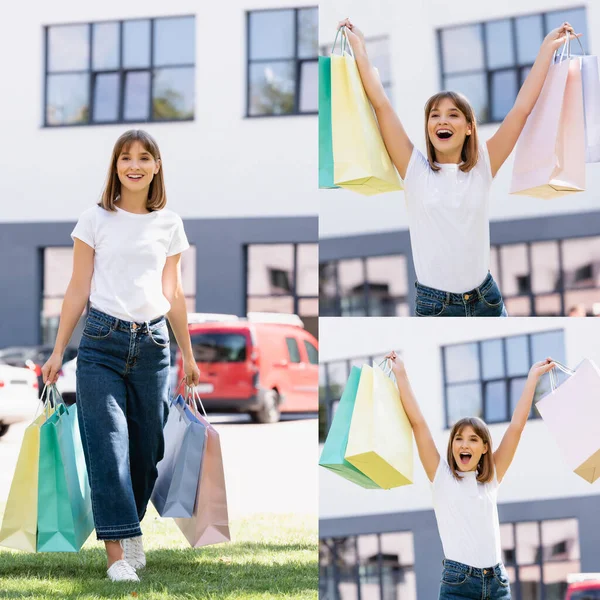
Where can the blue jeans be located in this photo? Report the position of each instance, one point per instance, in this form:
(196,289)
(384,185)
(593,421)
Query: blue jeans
(483,301)
(462,581)
(122,400)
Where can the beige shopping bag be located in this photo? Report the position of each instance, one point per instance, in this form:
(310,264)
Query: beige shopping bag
(550,153)
(380,442)
(571,411)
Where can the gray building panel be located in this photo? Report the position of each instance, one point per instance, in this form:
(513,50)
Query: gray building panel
(220,262)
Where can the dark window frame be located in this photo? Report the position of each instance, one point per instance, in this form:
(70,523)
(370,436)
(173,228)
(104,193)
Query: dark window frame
(293,284)
(121,71)
(487,71)
(561,289)
(364,304)
(298,62)
(483,382)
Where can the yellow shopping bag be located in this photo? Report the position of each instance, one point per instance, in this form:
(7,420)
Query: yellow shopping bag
(19,526)
(361,161)
(380,443)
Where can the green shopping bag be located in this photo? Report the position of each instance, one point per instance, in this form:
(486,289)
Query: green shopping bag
(325,139)
(65,518)
(332,457)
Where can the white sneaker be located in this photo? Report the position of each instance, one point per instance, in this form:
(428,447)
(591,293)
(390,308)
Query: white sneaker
(134,552)
(122,571)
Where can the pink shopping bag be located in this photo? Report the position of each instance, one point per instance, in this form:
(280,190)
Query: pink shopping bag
(571,412)
(209,523)
(550,153)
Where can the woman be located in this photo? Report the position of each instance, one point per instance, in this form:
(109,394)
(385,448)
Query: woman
(126,261)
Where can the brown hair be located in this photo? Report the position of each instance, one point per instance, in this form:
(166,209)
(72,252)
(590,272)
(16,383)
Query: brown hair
(485,468)
(157,197)
(470,148)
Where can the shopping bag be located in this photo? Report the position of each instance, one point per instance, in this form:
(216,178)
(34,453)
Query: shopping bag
(332,457)
(361,160)
(325,141)
(550,153)
(591,107)
(571,411)
(19,525)
(179,472)
(65,518)
(210,522)
(380,443)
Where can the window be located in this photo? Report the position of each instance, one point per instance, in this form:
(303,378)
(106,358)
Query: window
(486,378)
(283,278)
(368,566)
(219,347)
(332,380)
(120,71)
(293,350)
(488,62)
(375,286)
(549,278)
(539,555)
(312,352)
(282,69)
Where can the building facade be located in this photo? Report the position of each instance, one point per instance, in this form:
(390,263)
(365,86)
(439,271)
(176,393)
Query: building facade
(545,254)
(217,91)
(384,544)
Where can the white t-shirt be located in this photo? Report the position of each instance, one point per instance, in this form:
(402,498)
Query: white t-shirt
(448,217)
(130,254)
(467,516)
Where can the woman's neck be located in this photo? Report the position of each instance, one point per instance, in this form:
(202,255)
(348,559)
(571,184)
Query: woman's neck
(134,202)
(448,158)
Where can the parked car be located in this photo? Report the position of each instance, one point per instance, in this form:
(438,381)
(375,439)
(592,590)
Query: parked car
(263,365)
(583,586)
(33,358)
(18,396)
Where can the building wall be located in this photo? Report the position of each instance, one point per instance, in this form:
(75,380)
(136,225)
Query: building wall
(220,165)
(415,74)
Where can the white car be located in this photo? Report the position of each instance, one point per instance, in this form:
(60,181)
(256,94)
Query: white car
(67,381)
(19,396)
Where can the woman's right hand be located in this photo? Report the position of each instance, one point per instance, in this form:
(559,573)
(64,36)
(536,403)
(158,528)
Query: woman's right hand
(397,364)
(355,36)
(51,368)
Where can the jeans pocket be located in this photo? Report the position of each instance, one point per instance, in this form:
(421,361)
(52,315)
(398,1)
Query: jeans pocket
(429,307)
(492,297)
(502,578)
(96,330)
(451,577)
(160,335)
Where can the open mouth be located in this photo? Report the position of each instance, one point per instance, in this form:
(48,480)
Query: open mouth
(134,177)
(444,134)
(465,457)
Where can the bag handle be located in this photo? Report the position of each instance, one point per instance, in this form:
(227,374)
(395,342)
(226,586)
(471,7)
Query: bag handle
(567,46)
(195,396)
(344,42)
(554,378)
(387,370)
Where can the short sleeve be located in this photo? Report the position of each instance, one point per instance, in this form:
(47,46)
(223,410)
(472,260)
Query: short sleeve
(441,475)
(85,230)
(179,241)
(484,156)
(417,166)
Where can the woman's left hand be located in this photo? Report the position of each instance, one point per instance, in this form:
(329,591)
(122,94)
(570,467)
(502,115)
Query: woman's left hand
(557,37)
(542,367)
(191,370)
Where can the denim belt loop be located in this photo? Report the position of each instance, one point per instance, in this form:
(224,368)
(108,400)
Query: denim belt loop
(448,297)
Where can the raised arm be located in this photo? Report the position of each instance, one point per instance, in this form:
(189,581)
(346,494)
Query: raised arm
(396,141)
(430,457)
(508,446)
(501,144)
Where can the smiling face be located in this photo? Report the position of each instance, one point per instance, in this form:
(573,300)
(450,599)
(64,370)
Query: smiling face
(447,128)
(136,167)
(468,448)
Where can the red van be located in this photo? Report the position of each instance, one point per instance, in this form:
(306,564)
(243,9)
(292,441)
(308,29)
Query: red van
(260,368)
(583,586)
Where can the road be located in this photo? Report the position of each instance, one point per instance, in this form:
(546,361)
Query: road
(268,468)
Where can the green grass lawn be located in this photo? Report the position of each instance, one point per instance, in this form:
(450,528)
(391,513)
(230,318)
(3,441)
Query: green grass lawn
(271,556)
